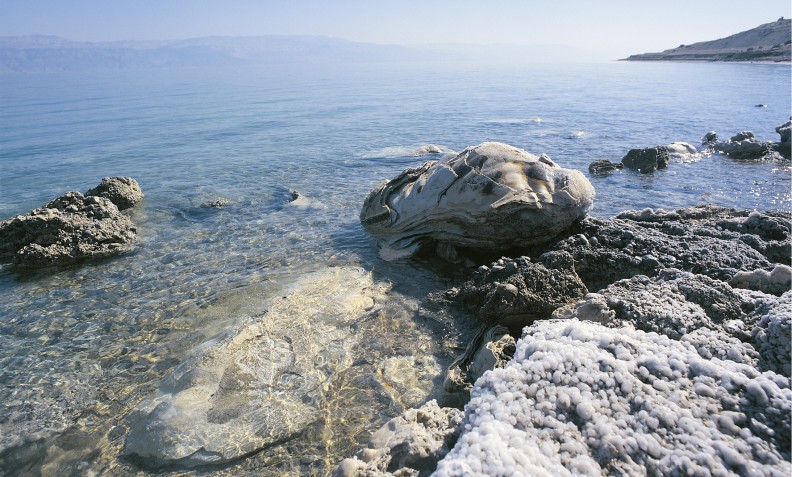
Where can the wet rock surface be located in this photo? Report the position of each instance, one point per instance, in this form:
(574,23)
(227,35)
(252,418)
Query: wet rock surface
(646,160)
(489,197)
(604,166)
(66,230)
(408,445)
(260,387)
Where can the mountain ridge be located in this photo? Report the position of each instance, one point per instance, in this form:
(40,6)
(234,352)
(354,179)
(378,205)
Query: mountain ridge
(770,42)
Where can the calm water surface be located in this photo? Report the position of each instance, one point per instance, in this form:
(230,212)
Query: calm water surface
(81,348)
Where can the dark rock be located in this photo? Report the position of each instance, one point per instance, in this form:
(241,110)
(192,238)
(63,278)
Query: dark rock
(604,166)
(709,240)
(66,230)
(646,160)
(710,138)
(531,291)
(742,136)
(124,192)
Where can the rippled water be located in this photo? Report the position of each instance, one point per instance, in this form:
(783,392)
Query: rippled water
(81,348)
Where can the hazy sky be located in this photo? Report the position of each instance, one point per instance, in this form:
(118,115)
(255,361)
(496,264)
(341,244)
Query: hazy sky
(612,27)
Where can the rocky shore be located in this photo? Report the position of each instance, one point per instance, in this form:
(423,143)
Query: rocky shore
(654,342)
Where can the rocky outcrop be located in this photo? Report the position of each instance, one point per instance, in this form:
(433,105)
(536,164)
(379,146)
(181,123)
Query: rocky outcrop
(713,241)
(679,363)
(410,444)
(124,192)
(262,386)
(745,146)
(489,197)
(67,230)
(646,160)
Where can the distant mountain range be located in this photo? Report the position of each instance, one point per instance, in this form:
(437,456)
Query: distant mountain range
(36,53)
(768,42)
(42,53)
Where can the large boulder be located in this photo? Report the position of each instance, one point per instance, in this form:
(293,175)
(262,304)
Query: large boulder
(490,197)
(646,160)
(262,386)
(124,192)
(68,229)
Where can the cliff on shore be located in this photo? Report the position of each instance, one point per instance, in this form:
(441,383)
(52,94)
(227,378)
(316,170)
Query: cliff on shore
(768,42)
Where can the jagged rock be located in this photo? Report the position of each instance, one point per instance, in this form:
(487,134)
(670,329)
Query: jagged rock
(582,398)
(713,241)
(516,292)
(489,197)
(407,445)
(697,301)
(745,149)
(742,136)
(646,160)
(604,166)
(259,387)
(785,131)
(68,229)
(124,192)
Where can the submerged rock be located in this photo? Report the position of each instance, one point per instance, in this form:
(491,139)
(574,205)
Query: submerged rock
(260,387)
(646,160)
(490,197)
(410,444)
(68,229)
(124,192)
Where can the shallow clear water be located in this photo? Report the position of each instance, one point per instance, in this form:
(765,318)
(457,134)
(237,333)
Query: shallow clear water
(80,348)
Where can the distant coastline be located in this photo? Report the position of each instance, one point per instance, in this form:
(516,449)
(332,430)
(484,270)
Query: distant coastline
(767,43)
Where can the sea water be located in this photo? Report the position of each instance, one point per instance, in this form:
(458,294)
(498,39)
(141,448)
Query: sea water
(80,348)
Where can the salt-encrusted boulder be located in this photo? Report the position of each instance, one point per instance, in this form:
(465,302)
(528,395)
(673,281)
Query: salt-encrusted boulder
(68,229)
(772,334)
(604,166)
(124,192)
(410,444)
(681,149)
(490,197)
(580,398)
(776,281)
(646,160)
(714,241)
(261,386)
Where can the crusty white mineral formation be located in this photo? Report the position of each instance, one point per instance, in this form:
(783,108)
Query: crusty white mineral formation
(492,196)
(582,399)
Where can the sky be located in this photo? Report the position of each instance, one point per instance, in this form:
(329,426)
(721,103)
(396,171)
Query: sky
(614,28)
